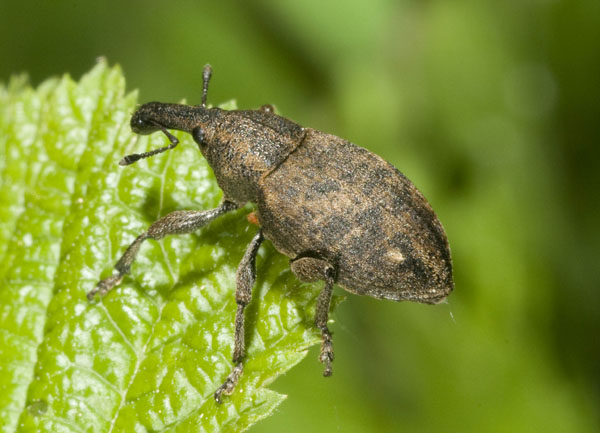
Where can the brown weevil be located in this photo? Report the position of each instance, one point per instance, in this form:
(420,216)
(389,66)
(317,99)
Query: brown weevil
(339,212)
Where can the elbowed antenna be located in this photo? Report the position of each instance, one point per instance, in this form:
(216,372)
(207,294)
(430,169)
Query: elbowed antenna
(206,74)
(130,159)
(143,123)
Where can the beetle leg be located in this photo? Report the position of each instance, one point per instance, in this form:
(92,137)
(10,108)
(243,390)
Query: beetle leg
(245,277)
(177,222)
(321,317)
(313,269)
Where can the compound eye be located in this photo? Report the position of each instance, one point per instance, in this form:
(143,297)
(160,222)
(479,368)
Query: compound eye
(198,135)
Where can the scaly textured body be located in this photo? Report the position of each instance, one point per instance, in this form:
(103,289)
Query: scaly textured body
(336,201)
(341,213)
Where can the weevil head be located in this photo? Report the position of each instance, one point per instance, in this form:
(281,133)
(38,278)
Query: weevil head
(157,116)
(143,120)
(239,145)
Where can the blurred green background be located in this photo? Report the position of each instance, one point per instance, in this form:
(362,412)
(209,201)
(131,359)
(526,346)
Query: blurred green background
(491,108)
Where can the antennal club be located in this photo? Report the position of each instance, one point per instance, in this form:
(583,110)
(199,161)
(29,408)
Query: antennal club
(206,74)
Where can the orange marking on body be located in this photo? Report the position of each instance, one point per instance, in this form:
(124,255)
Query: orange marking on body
(253,218)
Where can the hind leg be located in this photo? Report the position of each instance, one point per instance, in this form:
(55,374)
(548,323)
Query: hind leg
(313,269)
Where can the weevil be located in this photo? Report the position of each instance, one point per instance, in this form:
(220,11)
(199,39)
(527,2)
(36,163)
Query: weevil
(340,213)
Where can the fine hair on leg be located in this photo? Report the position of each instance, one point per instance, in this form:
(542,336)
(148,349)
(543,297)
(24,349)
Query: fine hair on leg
(177,222)
(313,269)
(245,278)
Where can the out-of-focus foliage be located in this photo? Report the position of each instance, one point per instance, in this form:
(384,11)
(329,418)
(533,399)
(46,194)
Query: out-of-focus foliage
(491,108)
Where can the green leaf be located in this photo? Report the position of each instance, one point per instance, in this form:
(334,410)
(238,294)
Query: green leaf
(149,355)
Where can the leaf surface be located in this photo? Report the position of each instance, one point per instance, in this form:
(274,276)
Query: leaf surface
(149,355)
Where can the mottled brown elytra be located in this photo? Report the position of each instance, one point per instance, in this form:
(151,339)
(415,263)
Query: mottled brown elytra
(339,212)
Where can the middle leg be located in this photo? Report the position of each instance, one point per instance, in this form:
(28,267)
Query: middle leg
(245,277)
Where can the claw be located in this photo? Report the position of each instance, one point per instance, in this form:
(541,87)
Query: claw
(326,356)
(230,383)
(104,286)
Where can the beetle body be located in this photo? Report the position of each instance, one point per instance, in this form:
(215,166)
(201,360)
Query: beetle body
(337,201)
(341,213)
(320,195)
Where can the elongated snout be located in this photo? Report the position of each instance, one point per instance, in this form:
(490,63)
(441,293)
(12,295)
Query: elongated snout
(154,116)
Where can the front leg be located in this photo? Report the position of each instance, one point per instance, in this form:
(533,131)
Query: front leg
(245,278)
(178,222)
